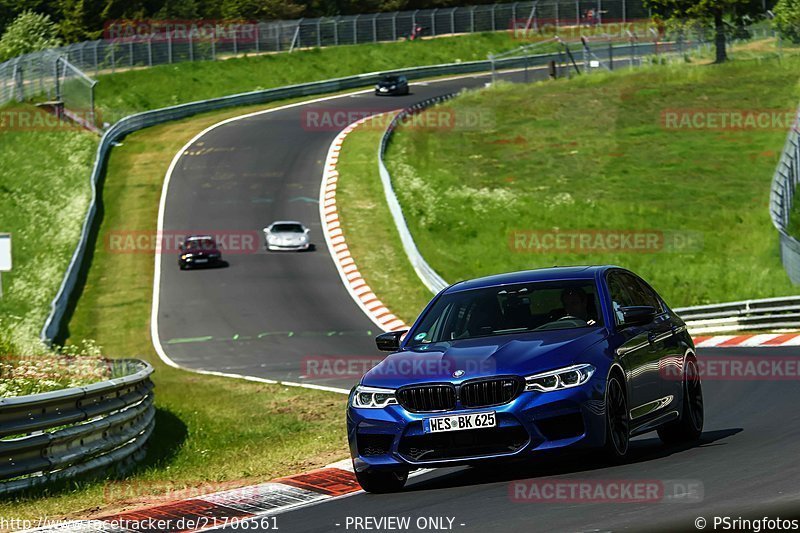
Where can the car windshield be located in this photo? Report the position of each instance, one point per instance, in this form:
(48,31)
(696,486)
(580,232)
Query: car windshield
(508,309)
(200,244)
(287,228)
(391,79)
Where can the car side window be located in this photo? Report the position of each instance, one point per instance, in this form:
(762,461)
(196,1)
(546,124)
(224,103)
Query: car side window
(620,297)
(650,296)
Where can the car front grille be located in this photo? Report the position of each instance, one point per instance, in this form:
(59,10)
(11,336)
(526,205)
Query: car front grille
(463,444)
(424,398)
(488,392)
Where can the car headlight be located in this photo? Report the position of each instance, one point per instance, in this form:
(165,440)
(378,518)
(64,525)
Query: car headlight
(185,256)
(393,87)
(563,378)
(372,397)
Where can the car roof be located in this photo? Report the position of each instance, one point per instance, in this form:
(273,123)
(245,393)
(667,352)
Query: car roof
(526,276)
(287,222)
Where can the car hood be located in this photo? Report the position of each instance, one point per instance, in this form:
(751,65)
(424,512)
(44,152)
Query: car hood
(519,354)
(200,251)
(293,237)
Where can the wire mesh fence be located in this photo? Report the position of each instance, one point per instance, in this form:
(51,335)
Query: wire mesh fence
(135,44)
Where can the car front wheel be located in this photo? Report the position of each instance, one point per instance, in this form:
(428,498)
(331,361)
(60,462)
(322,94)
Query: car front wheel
(617,421)
(382,482)
(690,425)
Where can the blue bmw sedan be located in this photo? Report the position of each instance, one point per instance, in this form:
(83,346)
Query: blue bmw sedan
(506,366)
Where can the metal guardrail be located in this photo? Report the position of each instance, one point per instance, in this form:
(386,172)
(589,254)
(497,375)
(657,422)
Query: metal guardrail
(765,314)
(781,201)
(62,434)
(146,119)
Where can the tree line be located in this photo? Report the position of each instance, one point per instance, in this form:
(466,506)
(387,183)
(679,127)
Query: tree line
(81,20)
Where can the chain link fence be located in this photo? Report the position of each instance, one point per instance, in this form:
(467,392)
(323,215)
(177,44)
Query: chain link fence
(37,74)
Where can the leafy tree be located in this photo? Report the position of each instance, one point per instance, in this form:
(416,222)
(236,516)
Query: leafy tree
(787,19)
(29,32)
(710,12)
(261,9)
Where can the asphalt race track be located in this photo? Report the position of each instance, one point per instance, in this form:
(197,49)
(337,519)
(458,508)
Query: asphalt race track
(745,465)
(265,312)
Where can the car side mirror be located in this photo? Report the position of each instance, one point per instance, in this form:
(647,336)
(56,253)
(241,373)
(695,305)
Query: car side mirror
(637,315)
(389,341)
(307,230)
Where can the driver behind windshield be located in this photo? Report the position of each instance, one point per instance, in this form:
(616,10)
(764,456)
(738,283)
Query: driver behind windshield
(576,303)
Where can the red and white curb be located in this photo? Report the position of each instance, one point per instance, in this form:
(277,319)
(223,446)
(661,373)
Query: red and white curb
(355,284)
(748,341)
(228,508)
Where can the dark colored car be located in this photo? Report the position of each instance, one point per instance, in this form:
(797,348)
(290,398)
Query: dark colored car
(506,366)
(198,250)
(392,85)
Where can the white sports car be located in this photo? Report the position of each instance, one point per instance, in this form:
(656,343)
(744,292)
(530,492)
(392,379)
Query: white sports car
(287,235)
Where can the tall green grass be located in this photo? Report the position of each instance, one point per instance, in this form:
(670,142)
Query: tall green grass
(44,194)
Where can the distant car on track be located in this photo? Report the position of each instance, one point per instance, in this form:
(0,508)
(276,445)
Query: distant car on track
(287,235)
(198,250)
(392,85)
(504,366)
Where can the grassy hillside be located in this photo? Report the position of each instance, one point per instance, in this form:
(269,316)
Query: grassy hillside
(597,155)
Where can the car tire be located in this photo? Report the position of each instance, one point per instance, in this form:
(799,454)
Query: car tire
(382,482)
(182,266)
(617,420)
(689,426)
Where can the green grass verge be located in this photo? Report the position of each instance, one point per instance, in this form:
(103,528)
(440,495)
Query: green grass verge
(211,433)
(369,229)
(593,154)
(44,194)
(131,91)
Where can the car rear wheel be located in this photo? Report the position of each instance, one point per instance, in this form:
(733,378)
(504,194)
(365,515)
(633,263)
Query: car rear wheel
(617,422)
(690,426)
(381,482)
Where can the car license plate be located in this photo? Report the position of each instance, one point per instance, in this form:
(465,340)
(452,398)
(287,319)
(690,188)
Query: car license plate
(461,422)
(201,260)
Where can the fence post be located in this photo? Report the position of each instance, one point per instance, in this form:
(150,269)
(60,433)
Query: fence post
(375,28)
(578,13)
(191,46)
(453,20)
(150,52)
(319,33)
(258,37)
(624,11)
(169,47)
(355,29)
(235,44)
(113,58)
(433,21)
(494,22)
(394,26)
(130,52)
(472,20)
(336,30)
(96,59)
(278,37)
(557,14)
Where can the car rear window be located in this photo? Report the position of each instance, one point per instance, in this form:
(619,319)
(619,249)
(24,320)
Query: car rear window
(287,228)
